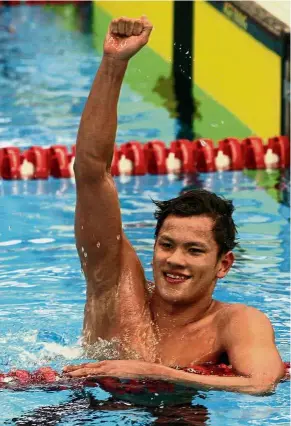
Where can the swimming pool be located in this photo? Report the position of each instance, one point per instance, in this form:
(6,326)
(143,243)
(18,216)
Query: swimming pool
(42,288)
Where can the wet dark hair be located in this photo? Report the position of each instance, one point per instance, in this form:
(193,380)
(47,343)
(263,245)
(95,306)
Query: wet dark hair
(199,202)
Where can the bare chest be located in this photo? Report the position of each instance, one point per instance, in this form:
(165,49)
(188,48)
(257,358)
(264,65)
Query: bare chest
(177,347)
(132,325)
(190,347)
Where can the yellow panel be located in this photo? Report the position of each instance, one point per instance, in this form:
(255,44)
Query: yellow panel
(237,71)
(160,13)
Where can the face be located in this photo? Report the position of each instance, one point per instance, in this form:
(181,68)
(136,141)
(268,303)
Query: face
(186,264)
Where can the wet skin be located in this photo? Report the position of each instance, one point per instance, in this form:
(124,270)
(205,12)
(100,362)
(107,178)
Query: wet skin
(175,321)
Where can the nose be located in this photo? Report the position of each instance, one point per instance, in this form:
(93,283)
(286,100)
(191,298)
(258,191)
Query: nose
(176,258)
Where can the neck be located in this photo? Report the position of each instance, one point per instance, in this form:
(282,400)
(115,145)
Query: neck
(168,316)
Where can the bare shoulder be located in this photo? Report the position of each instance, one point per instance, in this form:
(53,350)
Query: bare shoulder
(243,318)
(242,311)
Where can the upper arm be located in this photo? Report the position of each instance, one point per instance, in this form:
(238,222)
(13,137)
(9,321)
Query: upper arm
(250,345)
(98,230)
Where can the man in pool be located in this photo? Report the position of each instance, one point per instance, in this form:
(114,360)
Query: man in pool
(176,321)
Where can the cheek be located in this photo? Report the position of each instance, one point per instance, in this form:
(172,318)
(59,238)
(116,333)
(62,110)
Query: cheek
(205,265)
(156,261)
(158,257)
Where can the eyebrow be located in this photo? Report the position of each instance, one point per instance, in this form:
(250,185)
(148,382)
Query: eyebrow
(188,244)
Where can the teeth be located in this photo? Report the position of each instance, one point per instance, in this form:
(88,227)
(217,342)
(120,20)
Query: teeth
(176,276)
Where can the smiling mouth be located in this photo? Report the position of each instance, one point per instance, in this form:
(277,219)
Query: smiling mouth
(175,278)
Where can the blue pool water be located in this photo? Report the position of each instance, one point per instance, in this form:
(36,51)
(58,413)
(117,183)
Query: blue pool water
(41,286)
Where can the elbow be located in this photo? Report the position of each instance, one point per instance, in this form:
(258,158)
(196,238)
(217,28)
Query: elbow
(265,385)
(263,388)
(88,169)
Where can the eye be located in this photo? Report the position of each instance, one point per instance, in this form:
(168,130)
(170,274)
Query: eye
(165,245)
(195,251)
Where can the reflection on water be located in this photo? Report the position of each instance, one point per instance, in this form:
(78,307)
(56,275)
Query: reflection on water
(84,406)
(275,182)
(56,187)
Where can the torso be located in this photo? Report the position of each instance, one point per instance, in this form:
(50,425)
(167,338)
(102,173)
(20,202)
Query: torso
(194,344)
(139,338)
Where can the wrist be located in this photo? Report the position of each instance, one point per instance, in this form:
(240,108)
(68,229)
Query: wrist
(113,63)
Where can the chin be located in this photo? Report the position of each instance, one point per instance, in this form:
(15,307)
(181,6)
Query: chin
(173,296)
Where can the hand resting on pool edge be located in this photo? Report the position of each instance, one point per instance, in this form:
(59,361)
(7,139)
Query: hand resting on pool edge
(177,322)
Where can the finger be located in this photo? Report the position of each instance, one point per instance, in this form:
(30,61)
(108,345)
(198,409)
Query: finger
(129,27)
(137,27)
(77,367)
(121,26)
(114,27)
(147,26)
(73,367)
(83,372)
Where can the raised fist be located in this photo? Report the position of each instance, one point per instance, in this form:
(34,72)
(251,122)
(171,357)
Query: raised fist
(125,37)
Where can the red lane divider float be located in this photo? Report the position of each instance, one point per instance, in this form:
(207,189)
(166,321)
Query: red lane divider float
(10,163)
(132,160)
(59,161)
(253,153)
(135,158)
(36,160)
(156,155)
(231,148)
(281,147)
(205,155)
(181,157)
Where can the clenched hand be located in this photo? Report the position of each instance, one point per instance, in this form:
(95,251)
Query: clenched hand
(125,37)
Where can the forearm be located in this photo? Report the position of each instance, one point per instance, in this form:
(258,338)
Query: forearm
(211,382)
(133,369)
(96,135)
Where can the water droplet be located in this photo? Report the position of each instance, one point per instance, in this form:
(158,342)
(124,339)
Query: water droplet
(82,227)
(203,143)
(82,249)
(98,245)
(118,237)
(85,254)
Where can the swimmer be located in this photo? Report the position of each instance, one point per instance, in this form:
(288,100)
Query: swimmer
(175,321)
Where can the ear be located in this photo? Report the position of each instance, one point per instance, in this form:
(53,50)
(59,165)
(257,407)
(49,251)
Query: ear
(224,264)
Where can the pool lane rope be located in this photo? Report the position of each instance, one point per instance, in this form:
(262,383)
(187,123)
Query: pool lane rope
(47,378)
(154,157)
